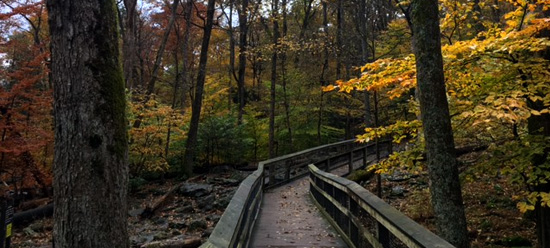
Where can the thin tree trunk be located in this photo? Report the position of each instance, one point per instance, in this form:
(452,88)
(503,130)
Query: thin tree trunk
(91,147)
(231,58)
(275,10)
(324,69)
(339,39)
(191,144)
(174,97)
(286,103)
(160,52)
(441,159)
(185,52)
(243,28)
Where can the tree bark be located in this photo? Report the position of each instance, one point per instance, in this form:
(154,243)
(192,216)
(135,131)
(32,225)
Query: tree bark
(243,28)
(191,144)
(286,103)
(91,151)
(540,125)
(275,13)
(160,52)
(441,159)
(129,43)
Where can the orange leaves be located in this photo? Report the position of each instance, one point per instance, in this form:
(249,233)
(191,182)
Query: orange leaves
(397,76)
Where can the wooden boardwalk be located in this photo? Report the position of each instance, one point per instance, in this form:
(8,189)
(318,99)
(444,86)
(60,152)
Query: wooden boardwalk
(289,218)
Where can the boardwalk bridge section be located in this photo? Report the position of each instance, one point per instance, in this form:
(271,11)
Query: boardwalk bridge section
(360,218)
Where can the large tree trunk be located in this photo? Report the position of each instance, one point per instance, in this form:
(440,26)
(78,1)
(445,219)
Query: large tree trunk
(441,159)
(191,144)
(90,168)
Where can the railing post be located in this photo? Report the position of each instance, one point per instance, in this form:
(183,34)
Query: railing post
(287,170)
(365,154)
(271,174)
(350,161)
(383,235)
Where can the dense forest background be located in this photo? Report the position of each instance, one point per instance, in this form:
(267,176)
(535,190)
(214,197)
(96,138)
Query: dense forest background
(283,76)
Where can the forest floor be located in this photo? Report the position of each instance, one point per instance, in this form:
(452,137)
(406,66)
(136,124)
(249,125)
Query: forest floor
(493,218)
(183,217)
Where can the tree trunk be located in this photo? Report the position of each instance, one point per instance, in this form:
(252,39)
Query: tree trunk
(322,78)
(91,151)
(191,144)
(231,58)
(160,52)
(286,103)
(188,12)
(129,43)
(540,125)
(339,25)
(441,159)
(243,28)
(275,10)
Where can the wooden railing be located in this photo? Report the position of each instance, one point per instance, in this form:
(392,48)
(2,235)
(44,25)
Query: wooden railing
(236,223)
(363,219)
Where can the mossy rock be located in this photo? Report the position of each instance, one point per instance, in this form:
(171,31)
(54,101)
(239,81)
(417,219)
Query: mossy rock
(361,175)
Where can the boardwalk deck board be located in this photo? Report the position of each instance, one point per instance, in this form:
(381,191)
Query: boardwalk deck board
(290,219)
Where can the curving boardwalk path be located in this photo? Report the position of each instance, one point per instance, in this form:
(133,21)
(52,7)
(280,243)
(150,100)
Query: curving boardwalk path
(288,217)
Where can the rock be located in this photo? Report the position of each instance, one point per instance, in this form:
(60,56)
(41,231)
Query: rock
(223,202)
(206,233)
(214,218)
(177,225)
(186,209)
(195,189)
(397,191)
(160,221)
(142,239)
(29,232)
(399,177)
(224,181)
(197,224)
(136,212)
(161,235)
(206,203)
(37,226)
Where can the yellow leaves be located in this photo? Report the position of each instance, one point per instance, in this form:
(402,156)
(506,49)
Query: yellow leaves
(398,131)
(396,75)
(148,141)
(524,207)
(544,199)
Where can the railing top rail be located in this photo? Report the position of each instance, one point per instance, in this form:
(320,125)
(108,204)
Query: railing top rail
(223,234)
(302,152)
(401,226)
